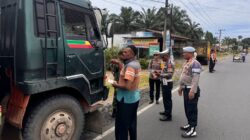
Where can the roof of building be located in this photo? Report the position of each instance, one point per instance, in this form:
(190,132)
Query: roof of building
(180,37)
(173,36)
(155,37)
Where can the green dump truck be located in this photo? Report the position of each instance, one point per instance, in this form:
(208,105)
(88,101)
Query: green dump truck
(51,66)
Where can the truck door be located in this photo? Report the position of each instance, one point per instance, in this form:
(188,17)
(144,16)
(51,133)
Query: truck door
(83,50)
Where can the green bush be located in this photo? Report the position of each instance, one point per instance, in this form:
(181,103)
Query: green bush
(110,53)
(144,63)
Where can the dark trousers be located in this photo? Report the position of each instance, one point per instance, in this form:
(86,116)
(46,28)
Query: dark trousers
(191,109)
(114,104)
(154,84)
(126,121)
(167,98)
(211,65)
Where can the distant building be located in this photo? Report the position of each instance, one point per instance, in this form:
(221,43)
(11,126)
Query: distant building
(150,42)
(146,45)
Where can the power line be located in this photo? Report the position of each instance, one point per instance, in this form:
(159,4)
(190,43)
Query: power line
(188,8)
(205,13)
(127,1)
(157,1)
(113,3)
(224,9)
(198,11)
(135,3)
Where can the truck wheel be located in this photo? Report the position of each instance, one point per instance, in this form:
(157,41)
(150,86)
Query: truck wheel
(59,117)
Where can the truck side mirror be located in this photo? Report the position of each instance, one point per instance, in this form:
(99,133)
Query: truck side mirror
(109,30)
(97,43)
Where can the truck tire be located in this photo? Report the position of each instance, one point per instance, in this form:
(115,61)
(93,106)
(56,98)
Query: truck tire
(58,117)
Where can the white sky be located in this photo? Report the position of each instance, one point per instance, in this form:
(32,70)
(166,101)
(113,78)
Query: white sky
(231,15)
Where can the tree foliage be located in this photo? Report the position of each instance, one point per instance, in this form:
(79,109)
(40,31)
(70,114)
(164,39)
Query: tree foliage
(179,22)
(246,42)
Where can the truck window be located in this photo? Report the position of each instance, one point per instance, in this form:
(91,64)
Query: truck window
(40,18)
(92,28)
(75,26)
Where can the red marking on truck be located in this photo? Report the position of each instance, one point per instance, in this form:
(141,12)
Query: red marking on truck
(79,44)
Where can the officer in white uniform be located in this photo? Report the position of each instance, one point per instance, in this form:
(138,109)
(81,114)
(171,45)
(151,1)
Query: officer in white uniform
(167,86)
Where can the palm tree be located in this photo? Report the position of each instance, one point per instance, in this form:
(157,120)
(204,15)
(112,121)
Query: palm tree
(194,31)
(246,42)
(127,19)
(179,18)
(210,37)
(227,41)
(240,37)
(147,18)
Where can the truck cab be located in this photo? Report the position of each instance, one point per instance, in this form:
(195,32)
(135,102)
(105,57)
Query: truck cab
(51,66)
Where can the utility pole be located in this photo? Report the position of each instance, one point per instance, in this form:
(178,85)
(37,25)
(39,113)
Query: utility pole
(220,35)
(170,32)
(112,41)
(165,26)
(171,24)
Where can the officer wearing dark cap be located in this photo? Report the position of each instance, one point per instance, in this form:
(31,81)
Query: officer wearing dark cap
(189,87)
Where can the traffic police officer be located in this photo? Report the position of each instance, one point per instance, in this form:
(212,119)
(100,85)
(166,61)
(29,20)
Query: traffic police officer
(190,89)
(167,86)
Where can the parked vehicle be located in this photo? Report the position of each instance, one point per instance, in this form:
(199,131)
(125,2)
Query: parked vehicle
(51,66)
(203,52)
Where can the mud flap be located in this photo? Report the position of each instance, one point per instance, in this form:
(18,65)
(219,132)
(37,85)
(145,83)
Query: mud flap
(94,122)
(9,132)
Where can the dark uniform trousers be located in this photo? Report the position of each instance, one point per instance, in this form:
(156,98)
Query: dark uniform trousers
(167,98)
(114,104)
(211,65)
(191,109)
(154,84)
(126,121)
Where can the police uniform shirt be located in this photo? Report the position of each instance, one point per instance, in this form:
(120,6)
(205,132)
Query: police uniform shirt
(168,71)
(190,75)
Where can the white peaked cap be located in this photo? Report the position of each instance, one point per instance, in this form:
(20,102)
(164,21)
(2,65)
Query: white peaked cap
(165,51)
(189,49)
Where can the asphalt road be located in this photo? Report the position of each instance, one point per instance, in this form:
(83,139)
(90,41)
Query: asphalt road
(224,108)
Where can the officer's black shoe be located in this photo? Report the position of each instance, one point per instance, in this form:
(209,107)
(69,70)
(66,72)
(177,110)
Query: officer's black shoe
(151,102)
(185,127)
(157,102)
(166,118)
(190,133)
(162,113)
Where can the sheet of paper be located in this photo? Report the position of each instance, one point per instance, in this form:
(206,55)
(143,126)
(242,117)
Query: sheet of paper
(111,81)
(164,81)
